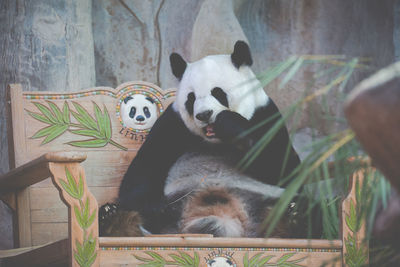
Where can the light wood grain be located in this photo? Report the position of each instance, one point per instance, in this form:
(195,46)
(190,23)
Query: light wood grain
(53,254)
(220,242)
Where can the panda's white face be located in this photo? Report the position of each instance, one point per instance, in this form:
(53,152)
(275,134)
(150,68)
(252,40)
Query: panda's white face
(211,85)
(138,112)
(220,262)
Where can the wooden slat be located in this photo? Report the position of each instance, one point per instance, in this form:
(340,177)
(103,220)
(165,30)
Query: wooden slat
(43,233)
(35,170)
(47,207)
(220,242)
(126,257)
(53,254)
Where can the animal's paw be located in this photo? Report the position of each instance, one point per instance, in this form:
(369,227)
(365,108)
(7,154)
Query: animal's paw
(232,127)
(114,221)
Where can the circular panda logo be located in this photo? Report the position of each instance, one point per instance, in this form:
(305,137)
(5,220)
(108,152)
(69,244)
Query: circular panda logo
(221,261)
(138,112)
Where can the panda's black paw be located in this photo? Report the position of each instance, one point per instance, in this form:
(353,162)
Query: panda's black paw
(232,127)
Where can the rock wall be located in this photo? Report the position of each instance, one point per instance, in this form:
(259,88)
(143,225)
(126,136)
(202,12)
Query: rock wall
(63,45)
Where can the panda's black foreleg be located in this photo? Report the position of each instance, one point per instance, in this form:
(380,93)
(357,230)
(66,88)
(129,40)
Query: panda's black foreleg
(272,163)
(142,188)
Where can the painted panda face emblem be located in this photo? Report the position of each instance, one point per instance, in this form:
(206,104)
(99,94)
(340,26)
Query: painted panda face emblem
(138,111)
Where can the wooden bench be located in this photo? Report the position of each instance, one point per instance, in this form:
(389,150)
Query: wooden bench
(80,142)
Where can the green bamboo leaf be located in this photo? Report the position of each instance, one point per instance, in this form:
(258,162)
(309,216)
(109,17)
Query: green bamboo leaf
(56,111)
(91,218)
(59,130)
(80,186)
(246,260)
(89,143)
(155,256)
(141,258)
(92,259)
(85,214)
(68,189)
(46,111)
(71,182)
(85,115)
(254,259)
(45,131)
(292,71)
(107,123)
(99,118)
(66,118)
(264,260)
(178,259)
(78,247)
(196,259)
(79,259)
(78,216)
(88,132)
(82,121)
(39,117)
(284,258)
(187,258)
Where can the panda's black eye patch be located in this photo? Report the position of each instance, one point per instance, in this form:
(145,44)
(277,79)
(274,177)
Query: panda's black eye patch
(146,112)
(220,95)
(132,112)
(190,102)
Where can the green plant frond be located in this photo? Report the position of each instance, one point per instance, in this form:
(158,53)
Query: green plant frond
(46,112)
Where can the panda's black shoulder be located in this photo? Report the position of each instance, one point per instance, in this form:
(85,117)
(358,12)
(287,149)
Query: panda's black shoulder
(269,110)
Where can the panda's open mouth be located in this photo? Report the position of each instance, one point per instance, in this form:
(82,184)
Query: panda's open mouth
(209,131)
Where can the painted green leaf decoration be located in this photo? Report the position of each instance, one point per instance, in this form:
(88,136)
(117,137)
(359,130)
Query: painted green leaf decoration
(99,118)
(59,130)
(39,117)
(99,128)
(46,111)
(45,131)
(84,115)
(66,117)
(87,132)
(183,259)
(107,123)
(89,143)
(56,111)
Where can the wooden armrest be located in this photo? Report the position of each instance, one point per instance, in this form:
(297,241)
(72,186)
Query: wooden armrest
(35,170)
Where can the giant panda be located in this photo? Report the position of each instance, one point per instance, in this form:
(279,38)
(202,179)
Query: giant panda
(185,177)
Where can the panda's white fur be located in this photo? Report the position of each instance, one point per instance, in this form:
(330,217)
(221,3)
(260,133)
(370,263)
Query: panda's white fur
(244,91)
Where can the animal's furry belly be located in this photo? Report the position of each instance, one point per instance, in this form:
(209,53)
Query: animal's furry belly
(196,170)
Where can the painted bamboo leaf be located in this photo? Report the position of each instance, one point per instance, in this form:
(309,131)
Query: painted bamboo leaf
(68,189)
(56,111)
(80,185)
(66,117)
(92,143)
(72,184)
(83,121)
(99,118)
(85,116)
(107,123)
(39,117)
(87,132)
(58,130)
(46,112)
(45,131)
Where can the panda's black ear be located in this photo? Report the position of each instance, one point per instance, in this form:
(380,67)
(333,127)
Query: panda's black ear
(126,99)
(178,65)
(241,55)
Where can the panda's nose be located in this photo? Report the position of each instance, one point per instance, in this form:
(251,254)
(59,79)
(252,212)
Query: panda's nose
(204,116)
(140,118)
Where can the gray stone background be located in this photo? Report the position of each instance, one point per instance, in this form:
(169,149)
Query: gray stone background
(64,45)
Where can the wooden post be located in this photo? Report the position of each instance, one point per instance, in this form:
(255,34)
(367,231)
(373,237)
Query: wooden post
(355,245)
(83,230)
